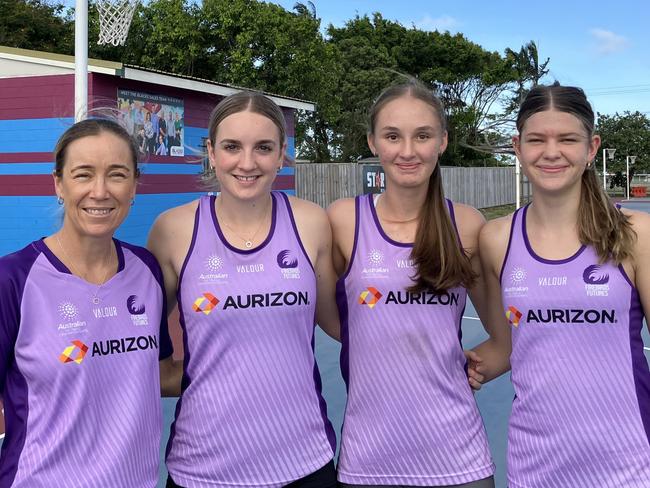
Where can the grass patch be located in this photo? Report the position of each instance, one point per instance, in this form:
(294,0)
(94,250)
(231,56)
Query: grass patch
(495,212)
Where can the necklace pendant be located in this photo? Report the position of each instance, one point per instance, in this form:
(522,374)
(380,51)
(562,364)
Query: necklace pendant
(248,244)
(95,300)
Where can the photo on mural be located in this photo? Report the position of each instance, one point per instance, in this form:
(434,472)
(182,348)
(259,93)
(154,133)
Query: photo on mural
(156,121)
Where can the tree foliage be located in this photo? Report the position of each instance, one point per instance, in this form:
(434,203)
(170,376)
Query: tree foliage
(266,47)
(629,134)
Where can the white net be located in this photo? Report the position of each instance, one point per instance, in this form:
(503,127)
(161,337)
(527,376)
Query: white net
(114,20)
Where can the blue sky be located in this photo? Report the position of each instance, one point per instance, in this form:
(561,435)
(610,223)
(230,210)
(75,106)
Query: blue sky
(603,47)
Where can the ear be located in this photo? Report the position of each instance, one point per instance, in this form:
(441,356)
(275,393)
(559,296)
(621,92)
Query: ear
(516,146)
(210,150)
(371,143)
(444,142)
(594,144)
(58,186)
(283,152)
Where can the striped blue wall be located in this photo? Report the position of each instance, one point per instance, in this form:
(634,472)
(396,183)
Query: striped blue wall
(31,135)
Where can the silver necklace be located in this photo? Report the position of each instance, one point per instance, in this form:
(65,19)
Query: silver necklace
(248,243)
(95,296)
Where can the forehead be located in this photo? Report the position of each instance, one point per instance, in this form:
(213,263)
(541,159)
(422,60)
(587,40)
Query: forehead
(407,111)
(247,124)
(553,121)
(101,149)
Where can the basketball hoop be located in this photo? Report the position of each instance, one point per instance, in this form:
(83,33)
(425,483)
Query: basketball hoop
(114,20)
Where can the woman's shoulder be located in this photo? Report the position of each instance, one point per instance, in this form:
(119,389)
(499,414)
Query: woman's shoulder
(16,266)
(307,212)
(177,216)
(342,209)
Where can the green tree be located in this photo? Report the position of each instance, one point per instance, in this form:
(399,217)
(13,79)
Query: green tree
(629,134)
(36,24)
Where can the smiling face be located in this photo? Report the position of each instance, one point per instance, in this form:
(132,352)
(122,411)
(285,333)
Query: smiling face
(97,183)
(408,138)
(246,154)
(554,149)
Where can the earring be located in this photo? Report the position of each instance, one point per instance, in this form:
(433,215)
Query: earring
(59,200)
(132,201)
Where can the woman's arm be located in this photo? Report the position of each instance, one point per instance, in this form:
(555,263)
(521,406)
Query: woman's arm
(641,260)
(316,235)
(169,241)
(494,353)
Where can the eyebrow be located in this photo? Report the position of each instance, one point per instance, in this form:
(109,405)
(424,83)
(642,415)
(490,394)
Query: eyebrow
(563,134)
(235,141)
(91,167)
(424,127)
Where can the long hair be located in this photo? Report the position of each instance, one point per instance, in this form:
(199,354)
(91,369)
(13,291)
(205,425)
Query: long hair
(440,262)
(600,224)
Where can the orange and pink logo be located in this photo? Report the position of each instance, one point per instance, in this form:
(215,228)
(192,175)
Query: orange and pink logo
(69,356)
(205,303)
(370,296)
(513,315)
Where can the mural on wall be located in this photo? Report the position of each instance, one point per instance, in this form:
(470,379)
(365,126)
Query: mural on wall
(156,121)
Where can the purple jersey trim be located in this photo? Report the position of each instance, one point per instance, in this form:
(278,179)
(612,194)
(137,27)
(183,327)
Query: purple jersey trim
(166,348)
(639,363)
(14,270)
(357,202)
(627,278)
(185,380)
(535,256)
(215,221)
(58,264)
(342,302)
(329,430)
(295,228)
(375,217)
(505,258)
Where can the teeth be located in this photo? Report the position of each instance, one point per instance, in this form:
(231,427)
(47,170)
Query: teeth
(98,211)
(246,178)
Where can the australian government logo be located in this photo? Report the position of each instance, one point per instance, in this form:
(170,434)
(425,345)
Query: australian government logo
(137,310)
(596,281)
(71,323)
(288,264)
(374,265)
(518,288)
(212,270)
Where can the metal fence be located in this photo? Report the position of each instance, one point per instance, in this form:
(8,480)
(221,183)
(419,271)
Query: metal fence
(479,187)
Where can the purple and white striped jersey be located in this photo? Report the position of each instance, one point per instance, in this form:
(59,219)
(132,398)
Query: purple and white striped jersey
(80,380)
(411,418)
(251,412)
(581,414)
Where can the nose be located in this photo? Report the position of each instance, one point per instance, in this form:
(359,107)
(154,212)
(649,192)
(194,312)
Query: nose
(247,160)
(408,149)
(551,149)
(99,189)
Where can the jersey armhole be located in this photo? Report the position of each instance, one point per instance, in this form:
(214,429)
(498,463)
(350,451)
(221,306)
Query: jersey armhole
(505,257)
(195,232)
(357,216)
(292,219)
(452,217)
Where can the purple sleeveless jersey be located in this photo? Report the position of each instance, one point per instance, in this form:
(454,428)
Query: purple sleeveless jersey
(581,415)
(80,380)
(410,418)
(251,412)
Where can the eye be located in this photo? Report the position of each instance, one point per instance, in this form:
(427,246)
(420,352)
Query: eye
(423,136)
(120,175)
(569,140)
(265,148)
(534,140)
(81,176)
(230,147)
(391,136)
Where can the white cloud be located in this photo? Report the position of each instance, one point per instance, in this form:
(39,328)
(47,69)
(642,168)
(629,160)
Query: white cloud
(442,23)
(608,42)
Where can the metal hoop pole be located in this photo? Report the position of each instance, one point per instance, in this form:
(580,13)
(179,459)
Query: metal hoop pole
(80,60)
